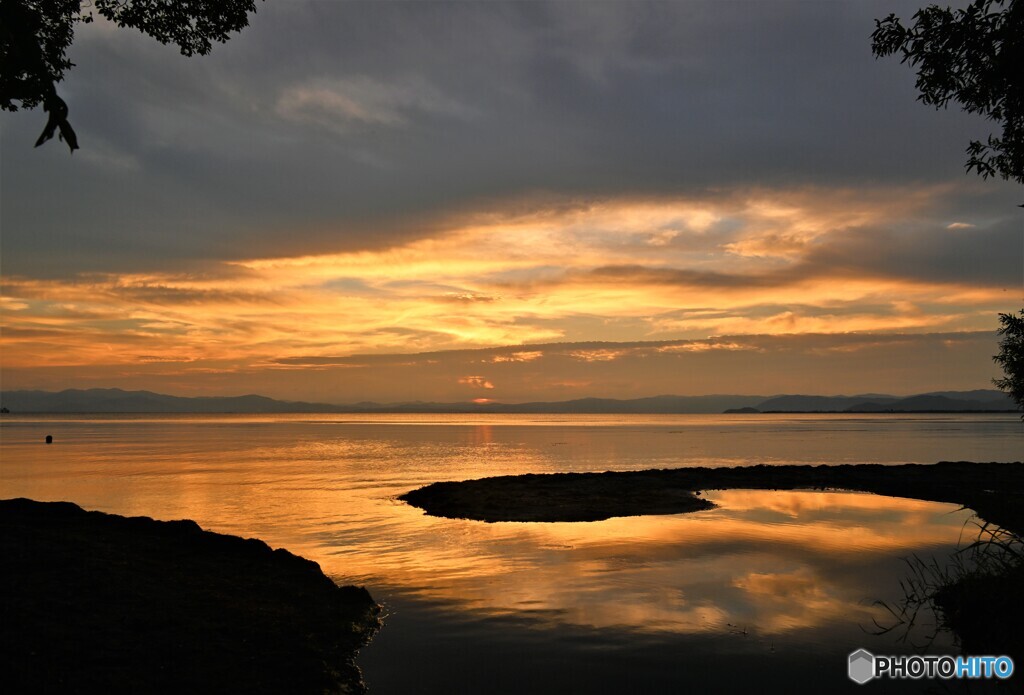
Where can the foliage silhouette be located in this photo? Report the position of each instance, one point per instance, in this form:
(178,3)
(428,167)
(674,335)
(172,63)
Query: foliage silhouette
(1011,357)
(972,56)
(973,595)
(36,34)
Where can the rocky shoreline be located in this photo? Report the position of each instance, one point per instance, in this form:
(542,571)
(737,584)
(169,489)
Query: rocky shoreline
(94,602)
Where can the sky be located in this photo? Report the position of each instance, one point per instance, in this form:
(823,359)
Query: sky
(519,201)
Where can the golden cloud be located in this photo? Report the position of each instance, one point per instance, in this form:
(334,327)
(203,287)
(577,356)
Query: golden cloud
(597,355)
(525,356)
(476,381)
(518,274)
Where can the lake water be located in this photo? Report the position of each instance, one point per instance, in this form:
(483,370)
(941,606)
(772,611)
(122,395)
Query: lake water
(770,590)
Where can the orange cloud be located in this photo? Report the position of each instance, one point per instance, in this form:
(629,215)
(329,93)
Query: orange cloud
(517,274)
(597,355)
(704,346)
(525,356)
(476,381)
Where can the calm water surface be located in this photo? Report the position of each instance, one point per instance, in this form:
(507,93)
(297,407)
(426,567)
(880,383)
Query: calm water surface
(769,590)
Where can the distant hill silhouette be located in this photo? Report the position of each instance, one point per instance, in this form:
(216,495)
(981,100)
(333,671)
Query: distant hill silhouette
(120,401)
(653,405)
(943,401)
(818,403)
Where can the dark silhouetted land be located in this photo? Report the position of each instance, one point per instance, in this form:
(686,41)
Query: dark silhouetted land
(994,490)
(94,602)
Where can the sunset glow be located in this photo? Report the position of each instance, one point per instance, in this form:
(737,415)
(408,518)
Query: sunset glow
(413,347)
(644,270)
(298,272)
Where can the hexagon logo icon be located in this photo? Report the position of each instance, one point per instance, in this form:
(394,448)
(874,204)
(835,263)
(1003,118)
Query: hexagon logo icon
(861,666)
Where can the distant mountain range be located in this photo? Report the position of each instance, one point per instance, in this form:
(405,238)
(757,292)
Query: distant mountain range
(940,401)
(118,401)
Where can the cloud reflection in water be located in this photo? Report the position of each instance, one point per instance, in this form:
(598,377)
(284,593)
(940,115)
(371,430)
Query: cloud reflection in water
(765,562)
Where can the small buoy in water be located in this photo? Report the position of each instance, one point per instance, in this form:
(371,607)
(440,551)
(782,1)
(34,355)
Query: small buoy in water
(49,439)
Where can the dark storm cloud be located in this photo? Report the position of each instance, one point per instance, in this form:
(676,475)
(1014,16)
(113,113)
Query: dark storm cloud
(327,126)
(991,256)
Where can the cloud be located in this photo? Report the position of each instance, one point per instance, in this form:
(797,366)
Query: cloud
(476,382)
(332,126)
(765,365)
(561,271)
(520,356)
(647,275)
(466,297)
(344,105)
(160,294)
(704,346)
(596,355)
(10,304)
(991,255)
(315,361)
(346,179)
